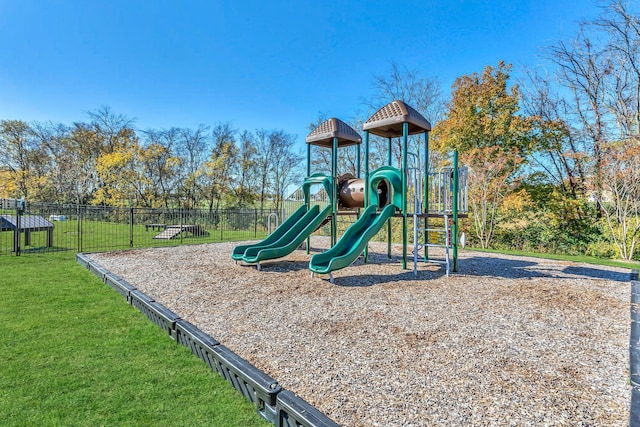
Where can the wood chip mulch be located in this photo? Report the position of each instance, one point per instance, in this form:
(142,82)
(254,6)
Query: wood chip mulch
(505,341)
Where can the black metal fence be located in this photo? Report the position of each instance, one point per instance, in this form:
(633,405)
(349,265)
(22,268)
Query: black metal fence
(37,228)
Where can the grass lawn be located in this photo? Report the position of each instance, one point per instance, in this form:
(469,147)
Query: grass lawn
(633,265)
(75,354)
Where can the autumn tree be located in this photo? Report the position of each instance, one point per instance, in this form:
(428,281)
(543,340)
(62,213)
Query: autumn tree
(483,123)
(116,171)
(159,168)
(53,141)
(219,168)
(19,157)
(246,189)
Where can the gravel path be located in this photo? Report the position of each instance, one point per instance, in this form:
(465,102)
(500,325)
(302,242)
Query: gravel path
(506,341)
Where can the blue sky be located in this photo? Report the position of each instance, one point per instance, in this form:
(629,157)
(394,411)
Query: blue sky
(258,64)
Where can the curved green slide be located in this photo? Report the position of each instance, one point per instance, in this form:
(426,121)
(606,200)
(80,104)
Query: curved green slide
(353,242)
(238,251)
(294,234)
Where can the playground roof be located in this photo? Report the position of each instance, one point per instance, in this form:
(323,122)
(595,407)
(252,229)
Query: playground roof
(27,222)
(388,120)
(333,128)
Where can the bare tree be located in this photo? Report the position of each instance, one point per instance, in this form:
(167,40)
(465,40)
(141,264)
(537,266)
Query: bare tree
(583,68)
(286,165)
(556,150)
(412,87)
(623,53)
(193,145)
(621,204)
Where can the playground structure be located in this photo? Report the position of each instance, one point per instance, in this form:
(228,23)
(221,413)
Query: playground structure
(375,199)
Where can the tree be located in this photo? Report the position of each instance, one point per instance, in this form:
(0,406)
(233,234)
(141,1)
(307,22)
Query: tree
(583,68)
(116,171)
(490,180)
(159,168)
(193,145)
(17,155)
(218,170)
(483,123)
(277,165)
(621,197)
(285,165)
(556,149)
(622,48)
(417,90)
(246,188)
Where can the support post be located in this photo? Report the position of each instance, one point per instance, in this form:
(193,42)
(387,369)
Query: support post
(425,198)
(334,186)
(405,135)
(366,183)
(389,227)
(454,231)
(305,190)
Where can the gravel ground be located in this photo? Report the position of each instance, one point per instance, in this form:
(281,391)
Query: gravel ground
(505,341)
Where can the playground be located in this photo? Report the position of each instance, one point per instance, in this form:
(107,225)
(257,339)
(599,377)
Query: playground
(408,330)
(532,341)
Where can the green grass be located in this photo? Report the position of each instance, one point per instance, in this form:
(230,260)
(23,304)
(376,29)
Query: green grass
(75,354)
(633,265)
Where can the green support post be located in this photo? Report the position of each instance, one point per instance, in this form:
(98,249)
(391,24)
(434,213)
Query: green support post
(358,161)
(405,134)
(334,196)
(307,200)
(454,231)
(366,183)
(389,229)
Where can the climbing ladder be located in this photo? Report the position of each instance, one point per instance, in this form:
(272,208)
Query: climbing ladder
(439,203)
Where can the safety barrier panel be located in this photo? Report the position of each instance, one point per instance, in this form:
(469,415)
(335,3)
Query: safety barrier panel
(275,404)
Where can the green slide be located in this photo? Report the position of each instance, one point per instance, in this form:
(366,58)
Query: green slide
(353,242)
(238,251)
(293,236)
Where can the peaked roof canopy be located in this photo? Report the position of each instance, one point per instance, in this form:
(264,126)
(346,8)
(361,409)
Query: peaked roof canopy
(333,128)
(388,120)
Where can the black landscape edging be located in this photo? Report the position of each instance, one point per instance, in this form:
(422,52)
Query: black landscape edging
(277,405)
(293,411)
(197,341)
(634,350)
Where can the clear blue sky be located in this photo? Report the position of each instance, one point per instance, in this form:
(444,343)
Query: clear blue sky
(258,64)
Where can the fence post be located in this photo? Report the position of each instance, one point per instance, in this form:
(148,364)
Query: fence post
(255,224)
(130,227)
(16,233)
(78,212)
(220,222)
